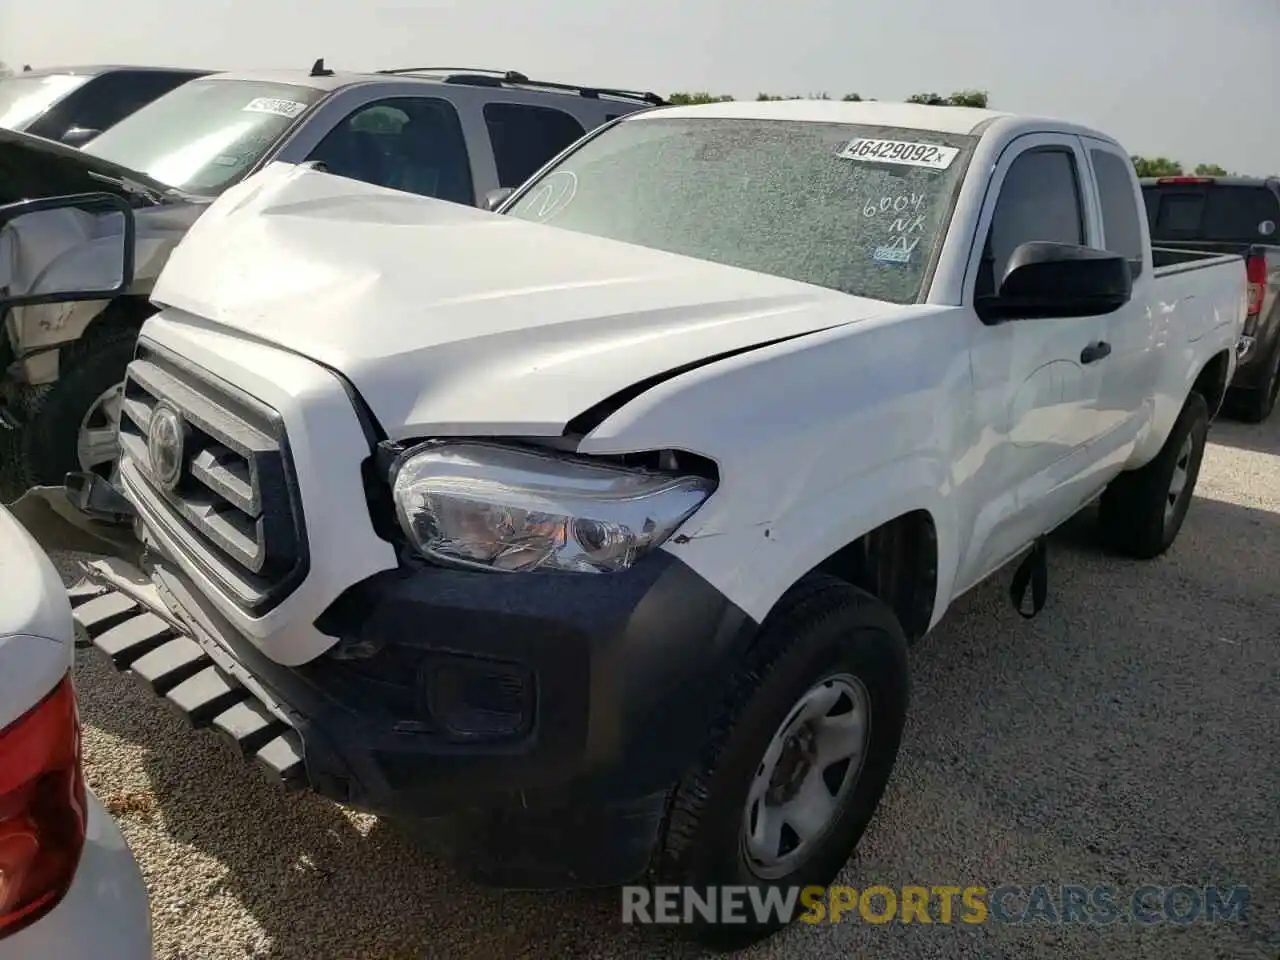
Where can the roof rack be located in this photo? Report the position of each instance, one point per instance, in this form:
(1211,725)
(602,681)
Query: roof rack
(482,77)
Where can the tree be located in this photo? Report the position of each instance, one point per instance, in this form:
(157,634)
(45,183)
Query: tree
(968,98)
(796,96)
(1210,170)
(961,98)
(701,96)
(1156,166)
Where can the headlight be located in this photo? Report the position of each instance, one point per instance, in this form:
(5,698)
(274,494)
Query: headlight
(499,508)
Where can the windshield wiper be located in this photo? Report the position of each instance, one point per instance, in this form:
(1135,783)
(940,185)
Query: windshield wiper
(135,188)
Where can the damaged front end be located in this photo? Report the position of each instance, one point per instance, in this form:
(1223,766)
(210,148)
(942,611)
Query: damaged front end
(86,515)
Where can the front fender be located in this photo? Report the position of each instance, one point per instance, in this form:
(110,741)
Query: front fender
(817,441)
(756,563)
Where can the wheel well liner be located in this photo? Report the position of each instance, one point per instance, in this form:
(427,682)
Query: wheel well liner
(898,563)
(1212,381)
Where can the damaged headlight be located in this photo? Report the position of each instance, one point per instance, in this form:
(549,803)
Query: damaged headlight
(500,508)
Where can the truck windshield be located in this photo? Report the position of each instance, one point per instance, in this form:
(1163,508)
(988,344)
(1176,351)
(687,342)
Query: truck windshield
(23,99)
(854,208)
(205,135)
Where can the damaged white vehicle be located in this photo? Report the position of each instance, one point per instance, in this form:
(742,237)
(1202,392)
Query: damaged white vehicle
(590,536)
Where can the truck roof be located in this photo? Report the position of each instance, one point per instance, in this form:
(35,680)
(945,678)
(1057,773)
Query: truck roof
(910,116)
(319,78)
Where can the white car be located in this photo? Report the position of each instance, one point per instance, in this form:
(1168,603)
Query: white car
(593,533)
(69,887)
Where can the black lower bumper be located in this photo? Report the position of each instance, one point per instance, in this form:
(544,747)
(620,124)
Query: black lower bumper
(532,725)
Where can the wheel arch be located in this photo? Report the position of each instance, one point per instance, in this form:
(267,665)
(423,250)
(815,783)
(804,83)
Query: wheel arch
(1212,381)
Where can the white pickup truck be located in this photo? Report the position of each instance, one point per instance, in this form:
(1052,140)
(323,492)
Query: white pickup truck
(590,535)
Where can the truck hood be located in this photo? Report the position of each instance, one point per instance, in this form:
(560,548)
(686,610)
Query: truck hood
(451,320)
(33,168)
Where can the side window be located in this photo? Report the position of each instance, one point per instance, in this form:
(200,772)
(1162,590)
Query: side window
(1120,217)
(107,99)
(525,137)
(414,144)
(1039,200)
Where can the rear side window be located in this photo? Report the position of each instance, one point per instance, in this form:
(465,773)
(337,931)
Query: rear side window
(1120,218)
(1212,212)
(526,137)
(1039,200)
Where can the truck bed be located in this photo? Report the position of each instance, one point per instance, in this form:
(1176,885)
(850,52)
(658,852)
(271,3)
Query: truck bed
(1180,259)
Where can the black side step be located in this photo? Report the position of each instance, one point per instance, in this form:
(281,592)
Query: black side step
(126,642)
(100,613)
(176,668)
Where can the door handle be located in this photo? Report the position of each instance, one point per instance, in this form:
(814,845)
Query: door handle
(1095,352)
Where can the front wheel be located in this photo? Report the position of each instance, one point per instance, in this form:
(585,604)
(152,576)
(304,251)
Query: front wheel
(73,423)
(797,765)
(1142,511)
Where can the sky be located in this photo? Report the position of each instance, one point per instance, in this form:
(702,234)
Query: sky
(1194,80)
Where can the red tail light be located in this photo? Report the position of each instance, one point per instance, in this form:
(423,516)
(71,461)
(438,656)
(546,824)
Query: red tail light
(1255,267)
(42,808)
(1184,180)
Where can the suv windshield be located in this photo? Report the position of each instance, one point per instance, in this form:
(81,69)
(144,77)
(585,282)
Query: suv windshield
(205,135)
(23,99)
(854,208)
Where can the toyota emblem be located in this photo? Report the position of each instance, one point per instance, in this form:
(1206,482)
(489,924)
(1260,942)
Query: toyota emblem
(166,438)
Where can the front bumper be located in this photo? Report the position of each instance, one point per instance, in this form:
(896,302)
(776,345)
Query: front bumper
(105,915)
(533,725)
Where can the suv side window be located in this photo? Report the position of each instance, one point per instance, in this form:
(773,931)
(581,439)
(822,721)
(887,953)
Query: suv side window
(1039,200)
(1120,217)
(414,144)
(526,137)
(106,100)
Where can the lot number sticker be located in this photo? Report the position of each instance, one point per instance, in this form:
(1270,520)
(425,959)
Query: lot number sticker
(279,108)
(901,152)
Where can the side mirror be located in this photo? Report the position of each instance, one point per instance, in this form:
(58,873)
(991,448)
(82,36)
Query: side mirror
(494,198)
(1058,280)
(79,136)
(95,232)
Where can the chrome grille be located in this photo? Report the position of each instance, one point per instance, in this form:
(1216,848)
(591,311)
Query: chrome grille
(234,508)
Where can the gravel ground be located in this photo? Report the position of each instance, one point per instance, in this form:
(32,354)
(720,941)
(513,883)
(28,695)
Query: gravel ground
(1127,736)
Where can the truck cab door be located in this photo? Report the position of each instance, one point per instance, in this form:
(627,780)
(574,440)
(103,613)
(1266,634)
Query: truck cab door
(1130,373)
(1037,382)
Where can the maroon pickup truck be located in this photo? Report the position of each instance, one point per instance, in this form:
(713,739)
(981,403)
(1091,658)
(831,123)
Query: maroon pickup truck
(1232,215)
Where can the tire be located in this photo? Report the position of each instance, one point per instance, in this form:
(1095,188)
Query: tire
(1133,516)
(11,481)
(823,629)
(1256,406)
(88,369)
